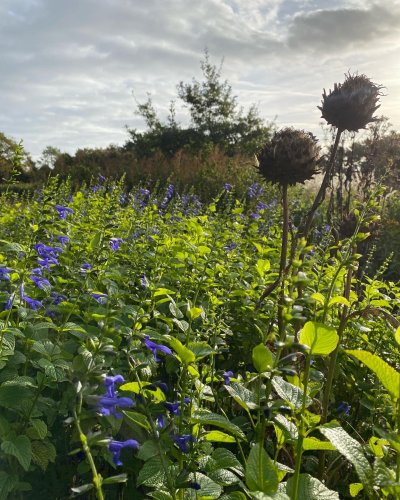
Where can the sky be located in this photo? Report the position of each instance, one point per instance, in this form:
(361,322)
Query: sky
(71,70)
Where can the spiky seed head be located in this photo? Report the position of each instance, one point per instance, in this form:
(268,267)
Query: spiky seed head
(289,157)
(351,104)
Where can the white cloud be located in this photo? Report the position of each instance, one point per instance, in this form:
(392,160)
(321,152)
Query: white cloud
(68,68)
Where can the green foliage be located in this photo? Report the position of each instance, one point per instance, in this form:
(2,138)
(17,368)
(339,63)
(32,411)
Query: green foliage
(163,290)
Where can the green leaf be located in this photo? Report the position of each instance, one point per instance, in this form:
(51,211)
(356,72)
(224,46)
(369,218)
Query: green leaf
(95,241)
(388,376)
(206,417)
(339,300)
(185,354)
(43,452)
(262,267)
(245,398)
(209,489)
(321,339)
(38,429)
(200,349)
(355,489)
(120,478)
(311,489)
(261,473)
(350,448)
(223,477)
(193,313)
(138,419)
(219,437)
(312,443)
(20,447)
(262,358)
(152,473)
(397,335)
(234,495)
(7,484)
(12,396)
(289,392)
(318,297)
(225,459)
(140,388)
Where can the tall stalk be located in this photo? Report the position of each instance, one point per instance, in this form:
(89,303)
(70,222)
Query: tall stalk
(323,188)
(282,265)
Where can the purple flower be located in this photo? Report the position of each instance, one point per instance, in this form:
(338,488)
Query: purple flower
(344,407)
(116,447)
(155,348)
(227,377)
(86,267)
(183,442)
(32,303)
(173,408)
(63,211)
(194,486)
(227,186)
(47,251)
(110,382)
(58,298)
(108,406)
(110,400)
(10,302)
(38,271)
(63,239)
(39,281)
(230,246)
(143,281)
(254,190)
(163,386)
(115,243)
(4,272)
(101,178)
(160,421)
(101,298)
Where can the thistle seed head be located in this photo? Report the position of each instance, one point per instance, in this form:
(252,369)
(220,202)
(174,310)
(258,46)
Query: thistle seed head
(289,157)
(351,105)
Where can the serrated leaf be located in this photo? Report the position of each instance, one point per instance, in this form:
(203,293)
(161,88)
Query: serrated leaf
(261,473)
(7,484)
(223,477)
(20,447)
(152,473)
(225,459)
(43,452)
(262,358)
(219,437)
(12,396)
(311,489)
(321,339)
(206,417)
(39,428)
(387,375)
(289,392)
(234,495)
(245,398)
(350,448)
(160,495)
(208,488)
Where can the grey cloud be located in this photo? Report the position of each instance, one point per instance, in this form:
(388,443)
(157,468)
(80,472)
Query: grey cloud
(330,30)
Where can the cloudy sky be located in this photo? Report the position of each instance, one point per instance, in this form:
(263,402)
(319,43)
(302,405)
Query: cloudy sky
(69,68)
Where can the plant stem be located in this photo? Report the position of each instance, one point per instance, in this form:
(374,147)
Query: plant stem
(301,436)
(282,266)
(322,190)
(97,479)
(332,366)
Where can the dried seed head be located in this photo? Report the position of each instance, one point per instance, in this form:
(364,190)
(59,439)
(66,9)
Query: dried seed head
(290,157)
(351,105)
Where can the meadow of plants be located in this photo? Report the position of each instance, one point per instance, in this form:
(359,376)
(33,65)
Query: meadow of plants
(138,361)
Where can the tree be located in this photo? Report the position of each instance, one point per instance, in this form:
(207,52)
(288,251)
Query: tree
(49,156)
(215,119)
(14,160)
